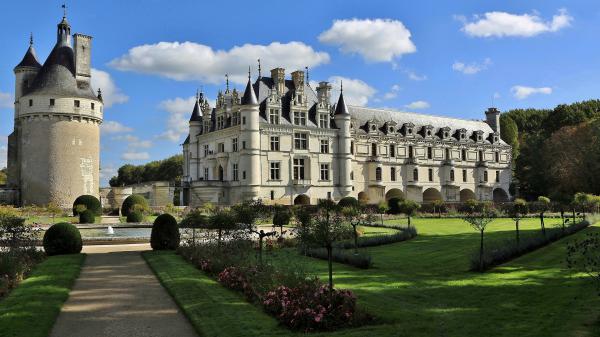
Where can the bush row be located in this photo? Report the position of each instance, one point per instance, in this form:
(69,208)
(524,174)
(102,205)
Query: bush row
(502,252)
(379,240)
(345,256)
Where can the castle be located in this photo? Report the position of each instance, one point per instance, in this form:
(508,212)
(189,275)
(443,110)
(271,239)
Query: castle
(53,152)
(284,142)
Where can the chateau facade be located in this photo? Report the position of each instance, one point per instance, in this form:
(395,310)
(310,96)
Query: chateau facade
(284,142)
(53,152)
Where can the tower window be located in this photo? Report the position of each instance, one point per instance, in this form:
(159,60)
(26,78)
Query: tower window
(480,155)
(77,103)
(30,102)
(430,171)
(447,154)
(497,155)
(497,176)
(410,152)
(52,102)
(352,147)
(272,195)
(392,150)
(429,153)
(374,149)
(464,174)
(393,174)
(451,175)
(485,176)
(93,106)
(378,174)
(463,154)
(416,175)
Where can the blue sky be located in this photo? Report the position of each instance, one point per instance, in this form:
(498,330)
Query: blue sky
(453,58)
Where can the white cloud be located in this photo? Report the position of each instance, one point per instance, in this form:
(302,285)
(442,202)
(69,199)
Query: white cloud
(6,100)
(522,92)
(471,68)
(179,110)
(393,93)
(414,76)
(376,40)
(133,141)
(418,105)
(107,172)
(184,61)
(131,155)
(114,127)
(501,24)
(111,94)
(356,92)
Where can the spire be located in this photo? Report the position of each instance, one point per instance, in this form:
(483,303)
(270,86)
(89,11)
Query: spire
(30,58)
(341,108)
(196,114)
(249,97)
(64,29)
(259,70)
(226,83)
(307,78)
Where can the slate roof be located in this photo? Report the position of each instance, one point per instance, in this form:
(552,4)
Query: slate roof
(196,117)
(249,95)
(30,59)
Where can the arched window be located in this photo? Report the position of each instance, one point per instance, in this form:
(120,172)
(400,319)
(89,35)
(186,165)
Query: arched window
(416,175)
(378,174)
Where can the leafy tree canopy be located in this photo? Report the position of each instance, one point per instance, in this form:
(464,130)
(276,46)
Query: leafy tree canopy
(170,169)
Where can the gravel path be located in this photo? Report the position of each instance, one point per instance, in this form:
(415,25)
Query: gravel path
(118,295)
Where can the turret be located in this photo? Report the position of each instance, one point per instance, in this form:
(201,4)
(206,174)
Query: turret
(83,50)
(26,71)
(196,119)
(492,118)
(250,140)
(63,32)
(342,121)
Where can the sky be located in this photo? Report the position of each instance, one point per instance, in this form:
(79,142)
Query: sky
(451,58)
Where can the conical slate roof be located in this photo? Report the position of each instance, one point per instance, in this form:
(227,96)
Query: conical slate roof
(196,117)
(30,59)
(341,108)
(249,97)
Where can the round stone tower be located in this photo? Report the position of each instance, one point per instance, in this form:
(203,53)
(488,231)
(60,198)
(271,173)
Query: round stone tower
(56,140)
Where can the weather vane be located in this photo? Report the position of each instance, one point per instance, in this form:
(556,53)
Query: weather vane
(64,7)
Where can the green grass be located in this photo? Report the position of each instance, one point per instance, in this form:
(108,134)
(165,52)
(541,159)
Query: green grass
(47,220)
(31,308)
(422,287)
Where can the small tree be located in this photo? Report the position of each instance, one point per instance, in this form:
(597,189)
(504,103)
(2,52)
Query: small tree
(517,212)
(438,205)
(195,219)
(281,218)
(353,215)
(409,208)
(479,215)
(583,202)
(543,204)
(54,210)
(80,209)
(222,220)
(15,234)
(324,229)
(382,208)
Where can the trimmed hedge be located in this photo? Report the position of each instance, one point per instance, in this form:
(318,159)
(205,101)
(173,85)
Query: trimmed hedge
(394,206)
(62,238)
(131,201)
(135,217)
(379,240)
(358,260)
(503,252)
(165,233)
(348,202)
(90,202)
(87,216)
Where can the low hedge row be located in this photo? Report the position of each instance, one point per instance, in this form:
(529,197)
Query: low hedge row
(503,252)
(359,260)
(405,233)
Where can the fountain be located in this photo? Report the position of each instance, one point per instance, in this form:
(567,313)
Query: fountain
(110,230)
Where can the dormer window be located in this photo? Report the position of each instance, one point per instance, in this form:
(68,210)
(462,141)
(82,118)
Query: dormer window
(299,118)
(477,136)
(390,129)
(408,129)
(461,134)
(373,127)
(426,131)
(324,121)
(274,116)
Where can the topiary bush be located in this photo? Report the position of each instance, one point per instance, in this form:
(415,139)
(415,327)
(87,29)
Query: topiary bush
(132,200)
(62,238)
(87,216)
(90,202)
(135,216)
(165,233)
(348,202)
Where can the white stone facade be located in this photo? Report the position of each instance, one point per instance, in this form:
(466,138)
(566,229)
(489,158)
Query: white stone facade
(292,146)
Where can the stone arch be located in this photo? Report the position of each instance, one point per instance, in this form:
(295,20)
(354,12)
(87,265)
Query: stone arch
(302,199)
(431,195)
(467,194)
(363,197)
(500,195)
(394,193)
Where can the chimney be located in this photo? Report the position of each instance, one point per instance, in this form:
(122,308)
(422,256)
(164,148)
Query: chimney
(324,92)
(83,49)
(492,117)
(278,76)
(298,78)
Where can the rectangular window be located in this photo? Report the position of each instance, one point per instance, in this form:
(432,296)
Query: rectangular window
(206,126)
(235,172)
(274,116)
(274,143)
(429,153)
(298,168)
(300,141)
(373,149)
(485,176)
(206,173)
(497,176)
(206,150)
(221,147)
(274,167)
(77,103)
(464,174)
(93,106)
(410,152)
(324,146)
(299,118)
(220,122)
(393,174)
(451,175)
(325,172)
(329,195)
(244,120)
(30,102)
(463,154)
(392,150)
(272,195)
(497,155)
(244,175)
(352,147)
(430,174)
(243,144)
(480,155)
(447,154)
(324,121)
(52,101)
(234,145)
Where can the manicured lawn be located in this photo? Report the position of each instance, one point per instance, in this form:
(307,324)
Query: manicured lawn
(422,287)
(47,220)
(31,309)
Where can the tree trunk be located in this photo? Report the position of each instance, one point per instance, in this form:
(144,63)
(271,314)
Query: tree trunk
(562,218)
(330,258)
(260,245)
(481,253)
(574,216)
(517,227)
(542,223)
(355,240)
(409,221)
(220,237)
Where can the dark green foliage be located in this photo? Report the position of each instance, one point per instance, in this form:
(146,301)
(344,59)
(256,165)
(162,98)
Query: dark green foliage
(165,233)
(505,251)
(131,201)
(169,169)
(195,219)
(394,206)
(62,238)
(281,218)
(87,216)
(90,202)
(582,255)
(348,202)
(358,260)
(135,217)
(403,234)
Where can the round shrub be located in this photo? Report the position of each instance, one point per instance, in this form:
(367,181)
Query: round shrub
(165,233)
(131,201)
(87,216)
(394,206)
(135,216)
(90,202)
(348,202)
(62,238)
